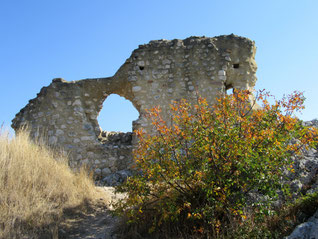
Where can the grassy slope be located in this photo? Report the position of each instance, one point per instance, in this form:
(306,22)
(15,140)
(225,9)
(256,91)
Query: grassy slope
(35,188)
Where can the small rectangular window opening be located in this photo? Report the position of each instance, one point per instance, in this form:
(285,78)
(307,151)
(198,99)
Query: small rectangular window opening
(236,66)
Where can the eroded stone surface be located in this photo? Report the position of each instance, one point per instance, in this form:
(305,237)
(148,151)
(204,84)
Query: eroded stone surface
(306,230)
(155,74)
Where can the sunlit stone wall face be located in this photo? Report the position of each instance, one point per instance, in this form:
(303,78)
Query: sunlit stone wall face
(155,74)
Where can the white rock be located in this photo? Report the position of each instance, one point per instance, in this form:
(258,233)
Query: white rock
(223,78)
(98,171)
(132,78)
(52,140)
(166,61)
(79,157)
(90,154)
(87,138)
(55,104)
(54,117)
(77,102)
(154,85)
(59,132)
(136,88)
(221,73)
(106,171)
(141,63)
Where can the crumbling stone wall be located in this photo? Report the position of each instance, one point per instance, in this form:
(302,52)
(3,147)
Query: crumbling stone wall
(155,74)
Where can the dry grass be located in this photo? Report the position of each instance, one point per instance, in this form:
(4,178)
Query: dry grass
(35,188)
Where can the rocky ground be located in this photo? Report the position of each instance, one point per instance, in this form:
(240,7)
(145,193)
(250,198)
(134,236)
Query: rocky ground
(96,223)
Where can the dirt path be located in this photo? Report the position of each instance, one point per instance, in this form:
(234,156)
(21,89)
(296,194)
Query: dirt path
(97,222)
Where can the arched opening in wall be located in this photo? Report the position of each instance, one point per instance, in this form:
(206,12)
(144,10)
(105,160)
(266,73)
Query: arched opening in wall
(115,120)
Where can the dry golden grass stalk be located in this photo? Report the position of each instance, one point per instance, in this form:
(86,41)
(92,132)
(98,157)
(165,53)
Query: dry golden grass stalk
(35,187)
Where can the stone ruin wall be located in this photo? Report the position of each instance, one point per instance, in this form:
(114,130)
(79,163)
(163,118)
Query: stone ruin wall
(155,74)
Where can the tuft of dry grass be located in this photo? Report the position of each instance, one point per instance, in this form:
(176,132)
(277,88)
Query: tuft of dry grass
(36,185)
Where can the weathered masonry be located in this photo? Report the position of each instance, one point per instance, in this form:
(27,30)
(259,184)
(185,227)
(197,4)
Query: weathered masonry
(155,74)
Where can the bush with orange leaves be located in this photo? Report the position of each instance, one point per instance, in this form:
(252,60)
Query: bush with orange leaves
(195,173)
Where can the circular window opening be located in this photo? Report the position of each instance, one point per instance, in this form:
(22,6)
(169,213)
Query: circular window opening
(115,120)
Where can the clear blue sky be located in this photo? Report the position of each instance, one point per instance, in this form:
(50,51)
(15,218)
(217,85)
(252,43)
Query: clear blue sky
(76,39)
